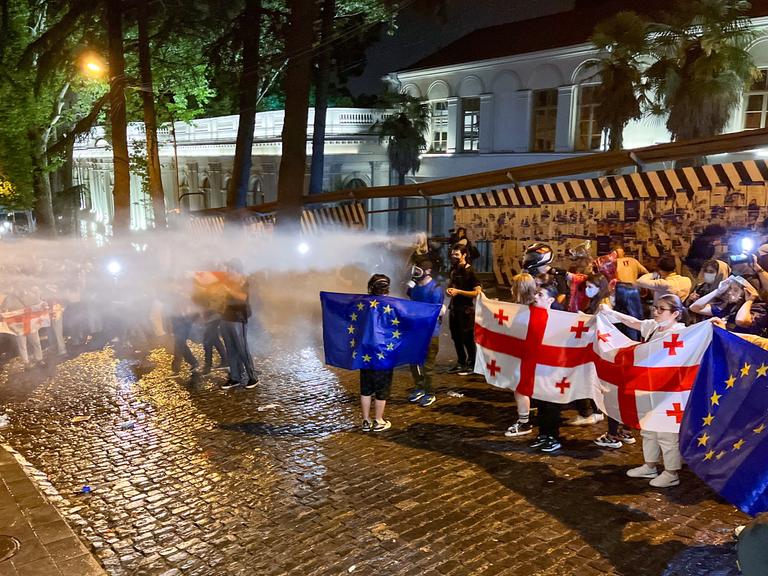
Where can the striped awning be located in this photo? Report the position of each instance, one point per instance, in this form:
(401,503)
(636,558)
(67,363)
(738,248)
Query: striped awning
(661,184)
(313,220)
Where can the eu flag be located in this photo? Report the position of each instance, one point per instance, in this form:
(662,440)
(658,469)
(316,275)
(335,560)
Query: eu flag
(723,435)
(375,332)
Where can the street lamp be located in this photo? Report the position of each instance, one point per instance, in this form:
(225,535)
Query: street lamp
(93,65)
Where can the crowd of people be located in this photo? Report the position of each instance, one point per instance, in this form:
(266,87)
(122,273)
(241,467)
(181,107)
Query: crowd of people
(644,304)
(80,307)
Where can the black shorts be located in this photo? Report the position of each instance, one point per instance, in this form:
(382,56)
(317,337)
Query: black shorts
(376,383)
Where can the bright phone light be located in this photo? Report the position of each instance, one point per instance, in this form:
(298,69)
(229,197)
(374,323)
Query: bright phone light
(747,244)
(303,248)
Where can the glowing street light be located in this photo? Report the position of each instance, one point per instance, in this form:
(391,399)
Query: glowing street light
(93,65)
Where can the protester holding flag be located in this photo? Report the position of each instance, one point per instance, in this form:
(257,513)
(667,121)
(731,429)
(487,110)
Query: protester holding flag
(423,288)
(667,312)
(374,333)
(522,291)
(25,314)
(464,287)
(548,439)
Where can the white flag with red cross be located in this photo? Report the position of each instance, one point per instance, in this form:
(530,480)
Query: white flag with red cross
(560,357)
(27,320)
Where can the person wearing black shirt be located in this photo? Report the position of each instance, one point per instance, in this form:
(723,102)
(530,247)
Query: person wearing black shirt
(234,322)
(464,287)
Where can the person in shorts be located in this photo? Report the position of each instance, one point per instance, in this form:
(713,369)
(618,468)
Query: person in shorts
(375,385)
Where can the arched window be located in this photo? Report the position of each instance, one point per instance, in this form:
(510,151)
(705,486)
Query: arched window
(354,184)
(255,194)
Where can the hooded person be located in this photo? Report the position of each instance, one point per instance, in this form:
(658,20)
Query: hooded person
(708,279)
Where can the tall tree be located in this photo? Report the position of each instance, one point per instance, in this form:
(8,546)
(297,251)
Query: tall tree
(622,41)
(248,93)
(150,117)
(298,78)
(701,65)
(118,118)
(404,132)
(321,97)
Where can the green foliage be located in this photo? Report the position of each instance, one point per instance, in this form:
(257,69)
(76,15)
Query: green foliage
(404,131)
(622,41)
(700,65)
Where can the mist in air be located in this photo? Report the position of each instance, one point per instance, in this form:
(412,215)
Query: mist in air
(130,276)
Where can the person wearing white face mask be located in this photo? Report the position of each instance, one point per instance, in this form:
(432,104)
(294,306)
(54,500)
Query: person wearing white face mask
(667,312)
(711,274)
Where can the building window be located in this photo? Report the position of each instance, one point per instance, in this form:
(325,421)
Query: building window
(544,120)
(439,127)
(757,103)
(588,133)
(470,134)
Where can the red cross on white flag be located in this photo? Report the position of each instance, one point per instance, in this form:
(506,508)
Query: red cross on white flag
(536,351)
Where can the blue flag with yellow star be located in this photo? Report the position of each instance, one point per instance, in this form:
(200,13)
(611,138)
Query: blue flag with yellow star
(375,332)
(723,435)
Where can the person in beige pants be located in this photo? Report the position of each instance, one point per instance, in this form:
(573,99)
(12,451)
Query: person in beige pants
(657,446)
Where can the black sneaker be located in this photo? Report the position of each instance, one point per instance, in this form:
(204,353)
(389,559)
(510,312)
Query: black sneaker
(550,445)
(252,383)
(229,384)
(454,369)
(539,442)
(466,370)
(367,426)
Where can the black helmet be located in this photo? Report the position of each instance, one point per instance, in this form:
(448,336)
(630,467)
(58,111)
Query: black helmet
(378,285)
(537,256)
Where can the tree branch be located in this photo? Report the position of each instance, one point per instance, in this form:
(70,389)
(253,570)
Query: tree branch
(83,125)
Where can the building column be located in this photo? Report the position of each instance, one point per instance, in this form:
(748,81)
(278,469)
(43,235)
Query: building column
(454,126)
(522,110)
(566,118)
(486,123)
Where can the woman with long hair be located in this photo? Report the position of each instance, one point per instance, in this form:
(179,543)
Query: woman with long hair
(523,291)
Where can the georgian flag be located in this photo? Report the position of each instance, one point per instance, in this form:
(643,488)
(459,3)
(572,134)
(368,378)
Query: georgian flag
(560,357)
(26,320)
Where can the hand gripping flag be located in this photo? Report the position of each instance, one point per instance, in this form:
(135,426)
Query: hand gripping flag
(560,357)
(724,434)
(375,332)
(27,320)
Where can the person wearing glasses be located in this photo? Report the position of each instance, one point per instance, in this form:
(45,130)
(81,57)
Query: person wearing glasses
(667,312)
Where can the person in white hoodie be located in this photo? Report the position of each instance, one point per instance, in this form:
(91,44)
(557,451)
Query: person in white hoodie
(667,310)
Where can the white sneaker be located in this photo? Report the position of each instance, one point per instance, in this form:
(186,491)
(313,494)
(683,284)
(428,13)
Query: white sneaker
(643,471)
(665,480)
(583,420)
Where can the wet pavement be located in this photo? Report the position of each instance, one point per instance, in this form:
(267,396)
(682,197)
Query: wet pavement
(187,479)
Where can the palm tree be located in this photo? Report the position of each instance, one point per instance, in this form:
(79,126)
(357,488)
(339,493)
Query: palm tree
(622,41)
(404,132)
(701,65)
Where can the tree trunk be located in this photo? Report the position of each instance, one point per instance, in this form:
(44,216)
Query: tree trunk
(321,98)
(402,204)
(41,184)
(290,186)
(248,93)
(117,118)
(150,117)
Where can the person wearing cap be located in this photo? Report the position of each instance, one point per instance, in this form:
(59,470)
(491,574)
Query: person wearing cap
(375,385)
(464,288)
(423,288)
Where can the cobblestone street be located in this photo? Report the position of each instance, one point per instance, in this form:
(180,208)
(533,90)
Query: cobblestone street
(187,479)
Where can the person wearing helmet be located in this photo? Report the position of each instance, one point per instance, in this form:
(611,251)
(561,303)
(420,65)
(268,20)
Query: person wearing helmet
(464,287)
(537,261)
(375,384)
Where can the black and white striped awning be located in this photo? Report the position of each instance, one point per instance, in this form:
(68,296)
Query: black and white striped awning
(662,184)
(313,220)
